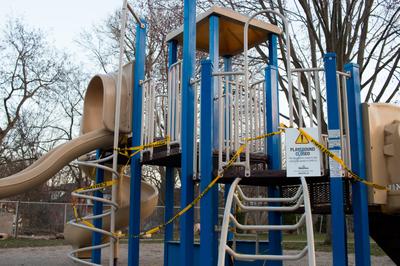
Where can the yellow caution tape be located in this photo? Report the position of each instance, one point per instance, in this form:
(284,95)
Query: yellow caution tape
(208,188)
(353,175)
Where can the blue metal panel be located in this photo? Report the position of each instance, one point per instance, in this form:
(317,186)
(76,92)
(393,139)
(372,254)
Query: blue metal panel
(187,133)
(174,249)
(169,174)
(136,168)
(172,52)
(214,56)
(97,209)
(359,190)
(209,203)
(339,243)
(169,209)
(273,143)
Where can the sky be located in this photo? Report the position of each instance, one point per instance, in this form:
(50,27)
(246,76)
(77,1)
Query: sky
(62,20)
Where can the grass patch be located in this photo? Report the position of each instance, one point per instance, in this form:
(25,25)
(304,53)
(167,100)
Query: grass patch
(22,243)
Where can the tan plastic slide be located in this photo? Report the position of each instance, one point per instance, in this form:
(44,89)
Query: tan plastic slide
(49,164)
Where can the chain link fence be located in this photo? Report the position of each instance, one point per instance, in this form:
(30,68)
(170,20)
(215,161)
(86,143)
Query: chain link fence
(47,219)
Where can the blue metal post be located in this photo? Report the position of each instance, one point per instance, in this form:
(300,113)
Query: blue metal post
(227,68)
(136,168)
(339,244)
(214,57)
(273,143)
(187,132)
(359,190)
(169,175)
(209,203)
(97,209)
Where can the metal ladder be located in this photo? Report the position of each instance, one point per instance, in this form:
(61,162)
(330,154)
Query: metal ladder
(237,197)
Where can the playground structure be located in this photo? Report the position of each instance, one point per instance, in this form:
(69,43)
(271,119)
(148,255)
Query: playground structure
(213,123)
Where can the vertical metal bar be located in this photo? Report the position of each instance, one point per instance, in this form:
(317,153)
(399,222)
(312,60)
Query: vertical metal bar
(310,98)
(237,106)
(339,248)
(299,100)
(359,190)
(228,68)
(97,209)
(136,168)
(221,125)
(208,205)
(65,213)
(309,223)
(339,92)
(319,104)
(116,129)
(274,143)
(187,134)
(169,171)
(16,219)
(346,121)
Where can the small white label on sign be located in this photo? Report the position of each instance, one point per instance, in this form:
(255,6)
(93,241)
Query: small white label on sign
(335,169)
(302,157)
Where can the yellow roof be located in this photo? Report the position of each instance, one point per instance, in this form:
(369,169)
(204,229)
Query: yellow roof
(231,29)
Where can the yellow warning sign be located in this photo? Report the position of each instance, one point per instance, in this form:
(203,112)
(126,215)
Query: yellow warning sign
(301,139)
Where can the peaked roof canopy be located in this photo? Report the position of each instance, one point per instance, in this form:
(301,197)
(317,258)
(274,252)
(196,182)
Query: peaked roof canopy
(231,31)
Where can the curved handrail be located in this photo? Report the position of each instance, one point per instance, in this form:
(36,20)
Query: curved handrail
(288,56)
(225,223)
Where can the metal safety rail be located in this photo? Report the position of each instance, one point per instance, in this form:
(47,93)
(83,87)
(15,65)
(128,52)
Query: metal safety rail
(170,106)
(174,117)
(236,198)
(86,222)
(113,206)
(154,115)
(241,115)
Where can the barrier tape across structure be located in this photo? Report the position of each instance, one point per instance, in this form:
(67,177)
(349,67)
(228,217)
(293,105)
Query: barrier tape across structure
(165,141)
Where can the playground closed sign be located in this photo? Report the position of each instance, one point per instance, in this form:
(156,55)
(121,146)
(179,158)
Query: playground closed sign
(303,158)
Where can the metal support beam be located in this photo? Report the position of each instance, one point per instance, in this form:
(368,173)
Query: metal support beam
(169,173)
(209,203)
(228,68)
(187,130)
(214,57)
(339,244)
(273,143)
(136,168)
(97,209)
(359,190)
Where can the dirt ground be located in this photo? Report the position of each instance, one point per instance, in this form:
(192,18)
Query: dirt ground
(151,254)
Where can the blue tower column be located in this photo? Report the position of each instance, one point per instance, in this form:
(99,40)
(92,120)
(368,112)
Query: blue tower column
(97,209)
(169,174)
(339,243)
(136,168)
(187,132)
(214,57)
(359,190)
(273,143)
(209,203)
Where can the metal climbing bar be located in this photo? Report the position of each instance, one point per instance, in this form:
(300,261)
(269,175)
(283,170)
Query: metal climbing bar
(229,223)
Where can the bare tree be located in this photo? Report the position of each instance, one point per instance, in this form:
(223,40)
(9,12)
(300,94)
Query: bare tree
(41,97)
